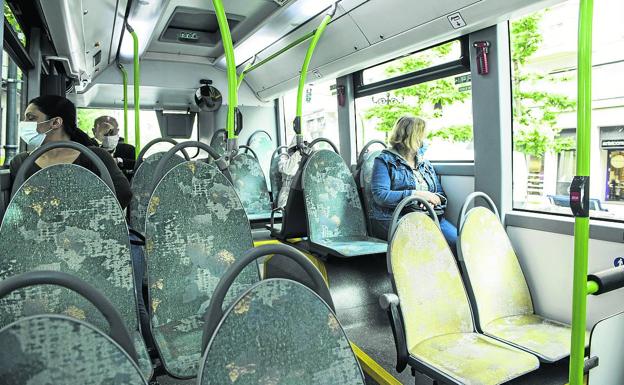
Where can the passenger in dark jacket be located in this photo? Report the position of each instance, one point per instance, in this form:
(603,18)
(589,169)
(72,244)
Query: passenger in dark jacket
(401,171)
(106,132)
(52,118)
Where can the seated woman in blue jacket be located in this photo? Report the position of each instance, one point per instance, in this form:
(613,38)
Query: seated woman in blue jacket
(401,171)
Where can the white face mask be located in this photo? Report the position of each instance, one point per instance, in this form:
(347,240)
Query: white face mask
(28,133)
(110,142)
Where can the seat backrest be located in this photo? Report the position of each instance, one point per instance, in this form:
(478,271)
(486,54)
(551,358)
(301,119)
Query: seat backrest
(219,141)
(196,228)
(250,184)
(262,144)
(65,218)
(141,185)
(332,201)
(263,339)
(493,273)
(607,344)
(56,349)
(430,289)
(274,175)
(366,176)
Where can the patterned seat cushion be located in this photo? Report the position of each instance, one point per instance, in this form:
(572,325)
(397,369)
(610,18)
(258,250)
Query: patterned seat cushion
(250,185)
(354,246)
(366,176)
(219,141)
(474,359)
(263,339)
(64,218)
(436,312)
(50,350)
(141,188)
(333,206)
(262,144)
(196,228)
(501,294)
(545,338)
(275,178)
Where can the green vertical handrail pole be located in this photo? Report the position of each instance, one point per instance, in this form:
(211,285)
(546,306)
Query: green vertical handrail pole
(581,225)
(228,47)
(124,76)
(304,71)
(137,83)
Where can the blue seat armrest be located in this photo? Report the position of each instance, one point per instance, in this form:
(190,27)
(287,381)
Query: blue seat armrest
(390,303)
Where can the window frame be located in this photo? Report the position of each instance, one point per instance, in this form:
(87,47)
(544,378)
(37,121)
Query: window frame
(454,67)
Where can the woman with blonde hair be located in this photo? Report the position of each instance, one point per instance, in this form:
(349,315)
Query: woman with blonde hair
(401,171)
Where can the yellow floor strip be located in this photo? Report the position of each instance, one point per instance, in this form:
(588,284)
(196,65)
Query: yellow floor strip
(373,369)
(266,242)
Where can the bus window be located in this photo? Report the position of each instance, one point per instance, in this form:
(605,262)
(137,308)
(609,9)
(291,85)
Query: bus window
(543,62)
(320,112)
(445,103)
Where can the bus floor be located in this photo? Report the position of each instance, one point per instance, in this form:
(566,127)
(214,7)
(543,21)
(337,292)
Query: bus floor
(355,290)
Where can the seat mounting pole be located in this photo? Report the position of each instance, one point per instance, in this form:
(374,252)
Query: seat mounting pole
(137,83)
(304,71)
(579,196)
(124,76)
(228,47)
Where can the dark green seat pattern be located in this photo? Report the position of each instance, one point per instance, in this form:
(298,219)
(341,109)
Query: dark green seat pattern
(219,141)
(280,332)
(141,188)
(196,228)
(366,176)
(52,350)
(263,146)
(64,218)
(251,187)
(335,215)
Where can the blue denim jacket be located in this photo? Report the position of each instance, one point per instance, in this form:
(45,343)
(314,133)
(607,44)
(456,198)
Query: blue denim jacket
(393,180)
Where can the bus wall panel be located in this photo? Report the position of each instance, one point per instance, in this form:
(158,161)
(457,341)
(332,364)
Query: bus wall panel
(457,188)
(547,260)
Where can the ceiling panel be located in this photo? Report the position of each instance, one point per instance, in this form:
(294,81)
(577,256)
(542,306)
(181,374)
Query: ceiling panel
(403,15)
(253,13)
(341,38)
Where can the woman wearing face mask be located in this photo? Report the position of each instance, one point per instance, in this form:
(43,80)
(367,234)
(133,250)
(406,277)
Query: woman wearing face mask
(52,118)
(106,132)
(401,171)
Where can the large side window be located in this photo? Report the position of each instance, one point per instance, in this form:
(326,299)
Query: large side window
(434,84)
(543,61)
(320,112)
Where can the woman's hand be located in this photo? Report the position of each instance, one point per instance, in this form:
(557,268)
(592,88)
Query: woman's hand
(430,197)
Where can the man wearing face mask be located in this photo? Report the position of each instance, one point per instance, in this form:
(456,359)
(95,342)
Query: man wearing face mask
(52,118)
(106,132)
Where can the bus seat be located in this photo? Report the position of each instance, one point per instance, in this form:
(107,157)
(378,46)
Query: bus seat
(262,338)
(196,228)
(366,176)
(219,141)
(141,185)
(65,218)
(262,144)
(334,211)
(499,291)
(250,184)
(607,344)
(57,349)
(432,304)
(275,178)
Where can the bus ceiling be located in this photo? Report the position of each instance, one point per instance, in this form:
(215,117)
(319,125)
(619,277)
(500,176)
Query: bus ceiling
(172,32)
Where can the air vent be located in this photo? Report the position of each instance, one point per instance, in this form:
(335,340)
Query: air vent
(281,2)
(195,26)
